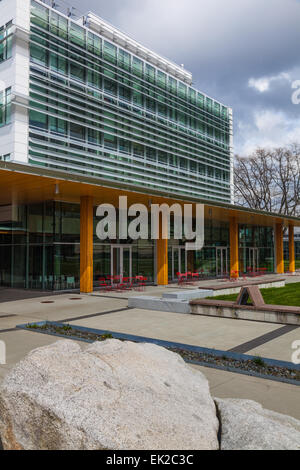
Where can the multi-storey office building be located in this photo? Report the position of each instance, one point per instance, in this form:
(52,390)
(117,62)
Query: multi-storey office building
(88,114)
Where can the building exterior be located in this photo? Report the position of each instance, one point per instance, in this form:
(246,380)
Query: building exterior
(88,114)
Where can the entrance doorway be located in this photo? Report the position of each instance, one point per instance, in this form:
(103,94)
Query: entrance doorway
(253,259)
(121,261)
(221,261)
(179,261)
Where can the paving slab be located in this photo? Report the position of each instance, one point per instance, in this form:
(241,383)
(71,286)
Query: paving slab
(210,332)
(276,396)
(61,308)
(280,348)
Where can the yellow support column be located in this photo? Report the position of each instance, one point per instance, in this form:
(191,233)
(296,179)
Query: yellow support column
(86,244)
(279,248)
(234,248)
(292,265)
(162,257)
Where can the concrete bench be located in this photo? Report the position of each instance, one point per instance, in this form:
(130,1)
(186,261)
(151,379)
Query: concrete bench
(228,288)
(257,310)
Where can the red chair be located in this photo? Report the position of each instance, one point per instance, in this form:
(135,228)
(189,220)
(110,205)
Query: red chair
(127,283)
(141,282)
(181,278)
(103,284)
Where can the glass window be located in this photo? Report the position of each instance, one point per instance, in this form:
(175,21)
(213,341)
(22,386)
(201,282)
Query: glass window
(224,112)
(94,79)
(137,98)
(161,79)
(124,59)
(94,44)
(200,100)
(37,119)
(138,150)
(5,107)
(38,54)
(182,90)
(39,15)
(209,104)
(192,96)
(137,66)
(77,71)
(110,141)
(94,137)
(150,105)
(5,42)
(77,34)
(124,146)
(58,126)
(172,84)
(216,109)
(110,87)
(151,154)
(59,25)
(150,73)
(125,93)
(77,132)
(110,52)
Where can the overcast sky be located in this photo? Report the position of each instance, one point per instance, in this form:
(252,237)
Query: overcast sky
(245,53)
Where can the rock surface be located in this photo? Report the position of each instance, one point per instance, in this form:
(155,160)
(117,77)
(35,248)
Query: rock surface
(111,395)
(246,425)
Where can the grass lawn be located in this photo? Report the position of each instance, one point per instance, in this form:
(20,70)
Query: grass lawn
(288,295)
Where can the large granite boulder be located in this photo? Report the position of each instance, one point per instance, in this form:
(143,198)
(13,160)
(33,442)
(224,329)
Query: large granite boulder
(246,425)
(110,395)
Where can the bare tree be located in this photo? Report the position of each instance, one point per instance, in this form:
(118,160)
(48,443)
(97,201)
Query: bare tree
(269,180)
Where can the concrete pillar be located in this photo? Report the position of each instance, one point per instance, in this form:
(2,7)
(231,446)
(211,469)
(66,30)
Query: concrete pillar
(234,248)
(292,265)
(86,244)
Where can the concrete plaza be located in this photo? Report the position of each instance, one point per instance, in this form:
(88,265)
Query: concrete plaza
(109,311)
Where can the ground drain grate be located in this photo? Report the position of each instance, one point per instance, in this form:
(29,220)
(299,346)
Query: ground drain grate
(48,302)
(75,298)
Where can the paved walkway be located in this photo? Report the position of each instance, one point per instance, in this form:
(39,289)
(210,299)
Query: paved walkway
(110,311)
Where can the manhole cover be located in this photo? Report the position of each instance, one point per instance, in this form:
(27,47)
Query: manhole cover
(75,298)
(48,302)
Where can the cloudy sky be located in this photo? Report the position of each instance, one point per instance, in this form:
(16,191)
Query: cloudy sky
(245,53)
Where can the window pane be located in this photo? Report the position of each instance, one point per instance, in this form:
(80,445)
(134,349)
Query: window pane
(77,35)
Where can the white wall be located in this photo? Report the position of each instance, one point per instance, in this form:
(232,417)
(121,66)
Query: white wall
(14,73)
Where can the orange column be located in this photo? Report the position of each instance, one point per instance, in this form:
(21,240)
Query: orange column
(279,248)
(234,248)
(292,266)
(162,257)
(86,244)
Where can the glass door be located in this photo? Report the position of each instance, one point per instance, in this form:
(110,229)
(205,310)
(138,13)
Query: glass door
(121,261)
(221,261)
(254,259)
(179,261)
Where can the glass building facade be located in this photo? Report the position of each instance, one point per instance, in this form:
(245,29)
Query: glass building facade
(40,249)
(96,109)
(86,115)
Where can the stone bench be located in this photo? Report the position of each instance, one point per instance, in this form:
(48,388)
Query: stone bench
(257,310)
(228,288)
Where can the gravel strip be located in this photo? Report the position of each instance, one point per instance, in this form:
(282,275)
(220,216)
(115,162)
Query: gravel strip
(256,365)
